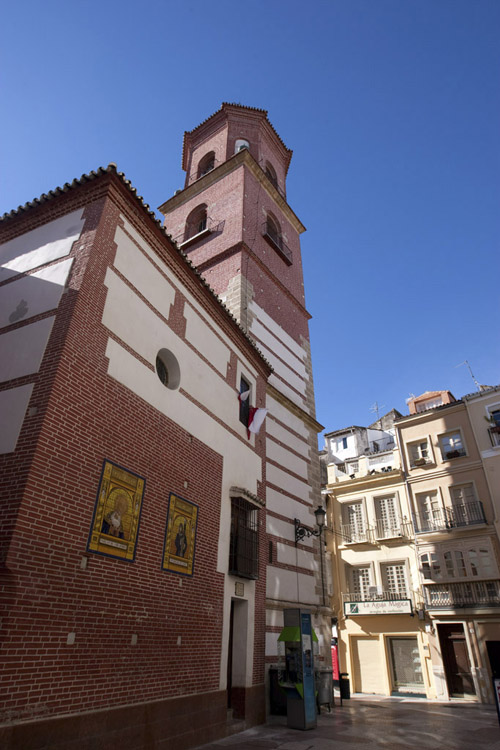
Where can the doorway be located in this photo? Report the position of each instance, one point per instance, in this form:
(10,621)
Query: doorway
(237,657)
(407,674)
(493,648)
(456,661)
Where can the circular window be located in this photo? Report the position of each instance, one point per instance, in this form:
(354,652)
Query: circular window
(167,369)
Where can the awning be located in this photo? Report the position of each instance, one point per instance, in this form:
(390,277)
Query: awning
(292,634)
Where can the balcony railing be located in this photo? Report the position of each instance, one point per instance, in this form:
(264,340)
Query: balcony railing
(460,595)
(276,241)
(355,535)
(393,529)
(444,519)
(371,534)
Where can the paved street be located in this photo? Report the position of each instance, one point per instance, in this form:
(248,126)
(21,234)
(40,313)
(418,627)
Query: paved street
(373,722)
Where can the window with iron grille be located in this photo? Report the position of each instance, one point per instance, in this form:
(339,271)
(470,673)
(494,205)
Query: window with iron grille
(243,544)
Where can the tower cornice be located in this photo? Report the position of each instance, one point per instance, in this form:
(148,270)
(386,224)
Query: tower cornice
(245,158)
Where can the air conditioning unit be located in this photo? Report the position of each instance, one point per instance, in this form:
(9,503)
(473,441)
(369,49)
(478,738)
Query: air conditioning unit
(375,590)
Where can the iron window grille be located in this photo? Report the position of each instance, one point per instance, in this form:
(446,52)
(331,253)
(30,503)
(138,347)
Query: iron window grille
(244,543)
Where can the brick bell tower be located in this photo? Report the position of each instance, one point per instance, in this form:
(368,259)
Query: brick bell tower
(233,222)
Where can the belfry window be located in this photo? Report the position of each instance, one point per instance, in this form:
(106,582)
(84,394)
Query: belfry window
(271,174)
(196,222)
(240,145)
(206,164)
(273,230)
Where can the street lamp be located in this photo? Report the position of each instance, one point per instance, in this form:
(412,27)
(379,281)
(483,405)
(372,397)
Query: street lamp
(304,531)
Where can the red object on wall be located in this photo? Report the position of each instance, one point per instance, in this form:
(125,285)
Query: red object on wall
(335,662)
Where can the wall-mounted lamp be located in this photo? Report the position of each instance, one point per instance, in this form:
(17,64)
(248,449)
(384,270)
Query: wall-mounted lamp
(303,531)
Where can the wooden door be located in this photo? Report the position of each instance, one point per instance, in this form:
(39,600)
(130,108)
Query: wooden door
(456,660)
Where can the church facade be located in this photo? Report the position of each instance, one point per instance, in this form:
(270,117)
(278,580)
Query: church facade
(147,532)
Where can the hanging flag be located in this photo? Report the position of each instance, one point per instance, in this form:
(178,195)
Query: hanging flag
(255,420)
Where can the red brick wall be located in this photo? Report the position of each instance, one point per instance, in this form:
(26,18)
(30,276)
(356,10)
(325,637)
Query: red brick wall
(83,418)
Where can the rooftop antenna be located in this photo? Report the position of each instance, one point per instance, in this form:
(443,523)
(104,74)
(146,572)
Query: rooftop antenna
(465,362)
(375,409)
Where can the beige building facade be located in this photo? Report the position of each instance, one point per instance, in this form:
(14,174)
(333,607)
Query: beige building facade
(382,640)
(416,552)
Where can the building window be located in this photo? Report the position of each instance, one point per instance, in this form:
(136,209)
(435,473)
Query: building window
(271,174)
(494,419)
(167,369)
(243,543)
(419,453)
(206,164)
(245,393)
(360,581)
(273,230)
(466,509)
(430,566)
(430,512)
(451,446)
(459,562)
(394,579)
(196,222)
(240,145)
(353,527)
(387,514)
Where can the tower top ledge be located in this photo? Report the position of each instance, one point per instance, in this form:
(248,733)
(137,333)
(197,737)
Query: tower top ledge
(227,111)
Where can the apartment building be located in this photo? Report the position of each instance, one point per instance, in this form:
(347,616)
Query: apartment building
(383,643)
(457,544)
(415,548)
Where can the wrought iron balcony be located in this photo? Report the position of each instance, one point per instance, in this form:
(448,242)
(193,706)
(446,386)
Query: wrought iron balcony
(461,595)
(276,241)
(445,519)
(393,529)
(355,535)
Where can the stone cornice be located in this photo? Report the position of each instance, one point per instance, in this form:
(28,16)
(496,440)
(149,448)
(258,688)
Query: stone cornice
(300,413)
(368,481)
(243,157)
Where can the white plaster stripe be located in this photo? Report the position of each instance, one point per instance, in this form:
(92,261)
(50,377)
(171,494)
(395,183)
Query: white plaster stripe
(282,370)
(284,415)
(288,438)
(276,329)
(272,343)
(286,458)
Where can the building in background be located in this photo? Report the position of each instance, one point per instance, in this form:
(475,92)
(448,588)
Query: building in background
(456,534)
(382,641)
(233,222)
(419,524)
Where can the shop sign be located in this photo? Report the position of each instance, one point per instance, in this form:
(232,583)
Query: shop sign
(378,607)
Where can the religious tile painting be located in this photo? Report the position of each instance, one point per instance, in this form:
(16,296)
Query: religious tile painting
(180,536)
(117,513)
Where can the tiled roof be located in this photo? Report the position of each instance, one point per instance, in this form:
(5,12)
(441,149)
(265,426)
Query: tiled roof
(432,409)
(344,429)
(112,169)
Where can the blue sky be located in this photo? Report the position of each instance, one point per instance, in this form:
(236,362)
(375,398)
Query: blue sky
(392,109)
